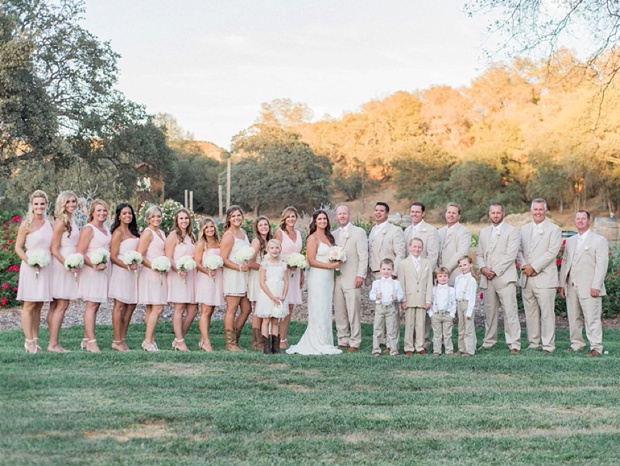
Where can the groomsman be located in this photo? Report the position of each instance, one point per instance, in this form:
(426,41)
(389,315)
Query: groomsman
(347,288)
(426,232)
(582,282)
(454,241)
(386,241)
(540,242)
(498,247)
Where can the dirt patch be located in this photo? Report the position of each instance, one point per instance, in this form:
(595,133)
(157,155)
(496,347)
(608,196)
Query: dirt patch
(149,429)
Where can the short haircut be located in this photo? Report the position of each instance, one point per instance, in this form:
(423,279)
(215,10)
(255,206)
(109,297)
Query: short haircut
(387,207)
(467,258)
(389,262)
(419,204)
(538,200)
(454,204)
(416,239)
(583,212)
(497,204)
(441,270)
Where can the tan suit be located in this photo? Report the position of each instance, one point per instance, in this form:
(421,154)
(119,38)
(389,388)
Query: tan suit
(584,268)
(540,249)
(347,298)
(499,253)
(418,290)
(387,242)
(428,234)
(453,244)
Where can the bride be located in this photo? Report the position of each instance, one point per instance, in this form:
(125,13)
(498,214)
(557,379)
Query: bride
(318,337)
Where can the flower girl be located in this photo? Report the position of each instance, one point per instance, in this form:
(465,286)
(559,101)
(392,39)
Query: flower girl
(271,304)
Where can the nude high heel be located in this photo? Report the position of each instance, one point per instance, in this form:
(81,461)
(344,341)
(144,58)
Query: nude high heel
(179,345)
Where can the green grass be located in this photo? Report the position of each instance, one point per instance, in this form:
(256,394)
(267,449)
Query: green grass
(226,408)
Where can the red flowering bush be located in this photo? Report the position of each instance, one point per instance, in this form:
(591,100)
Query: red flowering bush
(9,262)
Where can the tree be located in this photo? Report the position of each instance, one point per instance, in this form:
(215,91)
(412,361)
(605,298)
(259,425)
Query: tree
(284,113)
(275,169)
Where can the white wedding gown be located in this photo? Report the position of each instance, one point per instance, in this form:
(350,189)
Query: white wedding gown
(318,337)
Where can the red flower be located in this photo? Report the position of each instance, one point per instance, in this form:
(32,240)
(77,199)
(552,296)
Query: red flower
(481,295)
(15,289)
(4,301)
(9,241)
(5,285)
(4,246)
(16,219)
(13,268)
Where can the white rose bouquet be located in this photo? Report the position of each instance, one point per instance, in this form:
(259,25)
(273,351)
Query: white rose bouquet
(161,264)
(213,262)
(38,260)
(336,253)
(185,264)
(132,257)
(244,254)
(73,262)
(296,261)
(100,256)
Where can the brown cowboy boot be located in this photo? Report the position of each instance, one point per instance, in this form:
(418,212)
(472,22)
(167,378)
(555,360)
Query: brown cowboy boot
(231,343)
(275,344)
(257,339)
(266,345)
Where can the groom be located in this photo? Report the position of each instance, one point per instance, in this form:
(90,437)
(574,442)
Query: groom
(347,288)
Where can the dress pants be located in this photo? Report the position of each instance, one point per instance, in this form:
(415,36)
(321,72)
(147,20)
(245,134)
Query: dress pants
(347,305)
(414,328)
(442,332)
(539,304)
(385,323)
(467,329)
(588,311)
(507,298)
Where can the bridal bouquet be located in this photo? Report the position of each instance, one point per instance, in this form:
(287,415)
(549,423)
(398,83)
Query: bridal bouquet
(296,261)
(336,253)
(73,262)
(38,260)
(213,262)
(100,256)
(161,264)
(132,257)
(244,254)
(185,264)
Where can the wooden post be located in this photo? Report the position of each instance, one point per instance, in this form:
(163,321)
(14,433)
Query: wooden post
(191,201)
(219,199)
(186,203)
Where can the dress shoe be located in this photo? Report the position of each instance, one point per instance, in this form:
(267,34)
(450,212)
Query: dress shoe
(343,346)
(593,353)
(352,349)
(422,352)
(572,350)
(546,351)
(514,351)
(409,353)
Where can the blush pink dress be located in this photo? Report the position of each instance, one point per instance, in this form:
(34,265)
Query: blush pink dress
(152,286)
(293,296)
(209,289)
(30,287)
(235,282)
(124,283)
(179,290)
(64,284)
(93,284)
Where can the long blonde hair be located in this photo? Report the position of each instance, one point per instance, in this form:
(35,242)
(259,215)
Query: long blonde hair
(285,213)
(177,228)
(96,202)
(60,211)
(30,214)
(201,232)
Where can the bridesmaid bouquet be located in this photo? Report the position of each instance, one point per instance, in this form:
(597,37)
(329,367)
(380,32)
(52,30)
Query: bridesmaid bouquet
(161,264)
(244,254)
(336,253)
(185,264)
(38,260)
(100,256)
(213,262)
(296,261)
(73,262)
(132,257)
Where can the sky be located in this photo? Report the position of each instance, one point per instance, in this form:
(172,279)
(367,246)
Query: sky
(211,64)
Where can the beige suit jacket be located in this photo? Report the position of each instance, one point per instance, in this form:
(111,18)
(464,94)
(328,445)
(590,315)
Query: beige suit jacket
(499,254)
(417,284)
(428,234)
(453,244)
(355,245)
(587,266)
(541,253)
(388,243)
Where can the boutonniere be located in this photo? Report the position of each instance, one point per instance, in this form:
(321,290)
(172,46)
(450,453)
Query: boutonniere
(586,248)
(540,232)
(384,231)
(423,230)
(346,235)
(497,232)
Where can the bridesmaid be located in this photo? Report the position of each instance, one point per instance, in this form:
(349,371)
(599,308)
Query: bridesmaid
(35,234)
(64,285)
(235,277)
(93,283)
(290,238)
(152,287)
(124,282)
(181,284)
(209,292)
(262,235)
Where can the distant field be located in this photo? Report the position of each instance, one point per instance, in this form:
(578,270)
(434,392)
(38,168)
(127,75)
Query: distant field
(224,408)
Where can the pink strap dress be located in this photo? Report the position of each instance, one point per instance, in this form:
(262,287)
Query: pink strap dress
(152,286)
(180,290)
(209,290)
(93,284)
(64,284)
(124,283)
(33,288)
(293,296)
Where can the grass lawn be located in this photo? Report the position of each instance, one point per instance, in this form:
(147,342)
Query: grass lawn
(228,408)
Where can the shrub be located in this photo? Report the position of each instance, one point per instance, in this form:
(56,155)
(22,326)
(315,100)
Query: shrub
(611,302)
(168,209)
(9,261)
